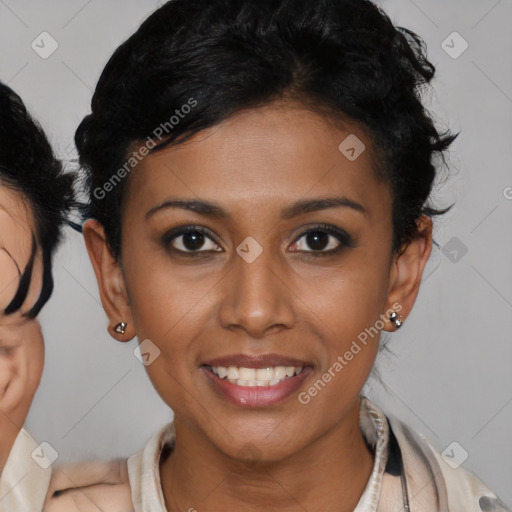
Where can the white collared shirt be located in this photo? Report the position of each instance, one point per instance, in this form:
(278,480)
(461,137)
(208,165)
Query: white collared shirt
(26,476)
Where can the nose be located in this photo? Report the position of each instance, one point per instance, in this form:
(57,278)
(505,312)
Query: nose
(256,297)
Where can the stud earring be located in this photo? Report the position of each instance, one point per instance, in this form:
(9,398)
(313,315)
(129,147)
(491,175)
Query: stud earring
(120,328)
(393,318)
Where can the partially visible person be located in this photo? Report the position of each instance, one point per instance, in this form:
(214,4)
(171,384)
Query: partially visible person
(35,197)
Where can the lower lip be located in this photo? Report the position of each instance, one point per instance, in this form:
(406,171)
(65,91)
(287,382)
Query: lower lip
(256,396)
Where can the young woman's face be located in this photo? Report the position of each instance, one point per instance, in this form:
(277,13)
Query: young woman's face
(21,341)
(239,282)
(17,225)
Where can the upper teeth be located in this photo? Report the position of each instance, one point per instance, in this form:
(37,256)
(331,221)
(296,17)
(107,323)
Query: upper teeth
(269,376)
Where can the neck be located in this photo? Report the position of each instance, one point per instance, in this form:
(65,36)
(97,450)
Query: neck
(328,474)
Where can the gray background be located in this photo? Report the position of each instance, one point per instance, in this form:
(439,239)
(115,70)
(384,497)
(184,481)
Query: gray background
(450,376)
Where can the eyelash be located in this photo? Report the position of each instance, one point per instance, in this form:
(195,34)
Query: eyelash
(342,236)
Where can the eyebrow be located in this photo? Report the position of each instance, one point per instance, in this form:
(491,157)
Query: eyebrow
(300,207)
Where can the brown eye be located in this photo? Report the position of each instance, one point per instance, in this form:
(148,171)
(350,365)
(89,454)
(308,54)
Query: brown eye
(190,240)
(322,240)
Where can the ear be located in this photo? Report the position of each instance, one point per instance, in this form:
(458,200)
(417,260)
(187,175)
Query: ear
(112,288)
(407,270)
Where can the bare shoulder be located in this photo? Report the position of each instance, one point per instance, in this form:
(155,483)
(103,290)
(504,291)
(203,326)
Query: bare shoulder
(90,486)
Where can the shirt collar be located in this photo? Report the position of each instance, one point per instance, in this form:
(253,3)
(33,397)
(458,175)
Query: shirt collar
(26,476)
(375,429)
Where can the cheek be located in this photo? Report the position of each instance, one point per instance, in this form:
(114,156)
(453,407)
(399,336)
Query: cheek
(20,374)
(360,299)
(9,280)
(15,384)
(350,311)
(166,299)
(168,309)
(347,298)
(7,372)
(349,304)
(35,362)
(164,305)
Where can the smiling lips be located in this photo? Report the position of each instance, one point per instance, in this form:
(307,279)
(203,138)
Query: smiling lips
(256,381)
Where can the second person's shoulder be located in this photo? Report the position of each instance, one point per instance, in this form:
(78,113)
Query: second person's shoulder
(90,486)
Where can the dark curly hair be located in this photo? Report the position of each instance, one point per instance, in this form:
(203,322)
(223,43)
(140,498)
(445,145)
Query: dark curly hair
(342,58)
(28,165)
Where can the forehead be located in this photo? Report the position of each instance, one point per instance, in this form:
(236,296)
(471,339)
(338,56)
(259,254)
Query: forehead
(271,154)
(16,216)
(17,224)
